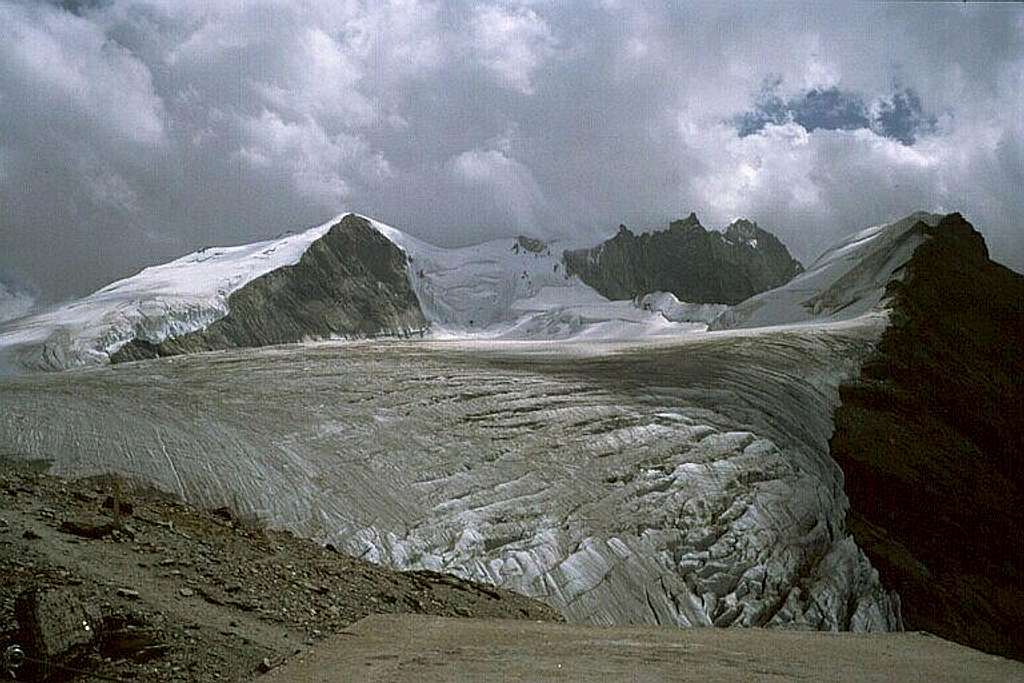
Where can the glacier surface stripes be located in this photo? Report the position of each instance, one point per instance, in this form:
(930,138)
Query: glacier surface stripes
(685,483)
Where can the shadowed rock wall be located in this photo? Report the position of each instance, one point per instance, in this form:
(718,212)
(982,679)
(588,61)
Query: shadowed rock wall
(931,441)
(697,265)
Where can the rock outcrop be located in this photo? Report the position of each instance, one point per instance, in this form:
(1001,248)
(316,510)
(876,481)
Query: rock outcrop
(931,441)
(694,264)
(352,282)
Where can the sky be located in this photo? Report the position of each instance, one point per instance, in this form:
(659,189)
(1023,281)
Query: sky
(134,131)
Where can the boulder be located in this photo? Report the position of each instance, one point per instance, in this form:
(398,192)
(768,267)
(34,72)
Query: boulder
(55,626)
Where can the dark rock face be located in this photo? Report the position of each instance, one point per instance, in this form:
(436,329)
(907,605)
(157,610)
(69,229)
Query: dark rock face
(931,442)
(351,282)
(697,265)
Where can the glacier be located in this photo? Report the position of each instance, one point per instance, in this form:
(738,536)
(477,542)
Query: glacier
(598,456)
(685,481)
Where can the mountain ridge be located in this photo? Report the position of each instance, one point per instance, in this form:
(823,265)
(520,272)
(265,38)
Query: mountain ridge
(929,438)
(272,292)
(349,282)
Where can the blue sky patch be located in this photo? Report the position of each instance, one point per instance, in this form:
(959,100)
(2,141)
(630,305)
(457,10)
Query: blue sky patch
(899,116)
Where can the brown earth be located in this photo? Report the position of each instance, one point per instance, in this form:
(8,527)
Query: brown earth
(205,596)
(430,649)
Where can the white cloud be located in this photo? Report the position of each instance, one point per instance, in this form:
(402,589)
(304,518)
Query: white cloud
(66,72)
(505,182)
(163,125)
(511,43)
(812,188)
(321,166)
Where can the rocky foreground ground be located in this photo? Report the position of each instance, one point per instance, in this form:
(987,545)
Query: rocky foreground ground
(167,592)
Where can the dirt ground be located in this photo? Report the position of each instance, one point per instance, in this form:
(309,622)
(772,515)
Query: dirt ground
(426,649)
(206,596)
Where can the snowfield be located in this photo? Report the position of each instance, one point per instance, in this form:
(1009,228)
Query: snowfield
(846,281)
(162,301)
(503,289)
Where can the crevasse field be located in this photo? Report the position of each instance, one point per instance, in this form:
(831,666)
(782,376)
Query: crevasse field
(620,483)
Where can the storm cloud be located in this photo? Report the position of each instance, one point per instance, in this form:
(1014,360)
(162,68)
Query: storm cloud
(132,131)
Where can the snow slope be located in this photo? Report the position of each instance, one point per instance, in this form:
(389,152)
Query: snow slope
(846,281)
(516,288)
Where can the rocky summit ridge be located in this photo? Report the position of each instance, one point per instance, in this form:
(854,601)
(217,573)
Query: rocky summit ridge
(687,260)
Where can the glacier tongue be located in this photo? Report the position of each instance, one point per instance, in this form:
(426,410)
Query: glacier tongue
(682,481)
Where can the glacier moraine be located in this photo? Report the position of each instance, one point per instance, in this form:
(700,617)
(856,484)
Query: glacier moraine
(678,481)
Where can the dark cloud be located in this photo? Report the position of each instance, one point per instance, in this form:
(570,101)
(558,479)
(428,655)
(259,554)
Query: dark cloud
(132,131)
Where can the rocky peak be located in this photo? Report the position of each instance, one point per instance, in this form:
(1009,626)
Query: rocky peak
(959,234)
(531,244)
(691,222)
(742,230)
(686,260)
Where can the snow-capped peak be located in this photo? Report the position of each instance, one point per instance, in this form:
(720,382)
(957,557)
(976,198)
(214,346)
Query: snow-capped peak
(158,302)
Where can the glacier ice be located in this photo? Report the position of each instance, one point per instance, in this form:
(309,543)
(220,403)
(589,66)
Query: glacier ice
(677,481)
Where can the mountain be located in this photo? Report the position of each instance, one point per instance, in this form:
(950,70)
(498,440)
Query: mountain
(15,301)
(352,277)
(930,438)
(694,264)
(350,282)
(683,480)
(162,301)
(699,478)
